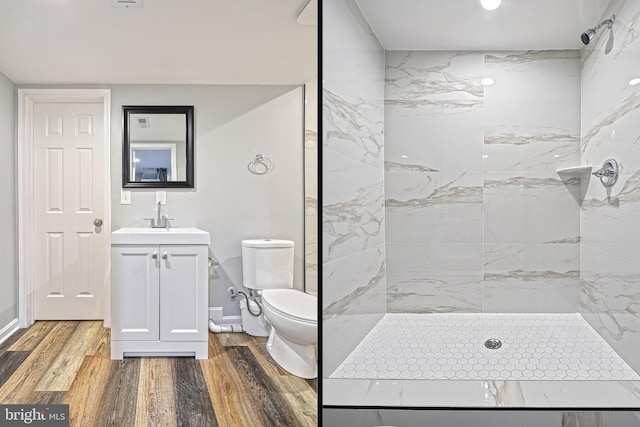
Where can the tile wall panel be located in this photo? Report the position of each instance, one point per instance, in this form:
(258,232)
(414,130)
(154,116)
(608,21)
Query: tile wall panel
(610,260)
(353,253)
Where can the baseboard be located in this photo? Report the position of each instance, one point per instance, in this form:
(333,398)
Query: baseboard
(216,314)
(9,330)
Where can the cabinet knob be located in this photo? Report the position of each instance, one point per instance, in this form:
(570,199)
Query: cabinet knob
(165,255)
(154,255)
(98,222)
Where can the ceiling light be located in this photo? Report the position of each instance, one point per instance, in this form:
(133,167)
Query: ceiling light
(490,4)
(634,82)
(404,157)
(487,81)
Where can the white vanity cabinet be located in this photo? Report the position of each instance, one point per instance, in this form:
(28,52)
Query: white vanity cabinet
(159,297)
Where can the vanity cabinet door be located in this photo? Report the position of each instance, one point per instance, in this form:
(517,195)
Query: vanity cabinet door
(135,294)
(183,293)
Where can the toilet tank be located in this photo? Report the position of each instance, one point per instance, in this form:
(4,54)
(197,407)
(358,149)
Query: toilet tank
(267,263)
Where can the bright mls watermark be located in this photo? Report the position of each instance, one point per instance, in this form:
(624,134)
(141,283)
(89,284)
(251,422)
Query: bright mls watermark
(34,415)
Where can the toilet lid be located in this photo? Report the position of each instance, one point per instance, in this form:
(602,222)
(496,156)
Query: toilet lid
(292,303)
(267,243)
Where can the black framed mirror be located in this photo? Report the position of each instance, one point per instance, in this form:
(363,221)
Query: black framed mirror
(157,147)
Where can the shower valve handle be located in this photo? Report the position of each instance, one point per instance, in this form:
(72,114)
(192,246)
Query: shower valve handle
(608,173)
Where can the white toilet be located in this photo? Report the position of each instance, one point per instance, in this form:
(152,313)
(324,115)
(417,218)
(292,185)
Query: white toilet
(267,267)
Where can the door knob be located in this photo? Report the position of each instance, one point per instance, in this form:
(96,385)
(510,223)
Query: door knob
(97,222)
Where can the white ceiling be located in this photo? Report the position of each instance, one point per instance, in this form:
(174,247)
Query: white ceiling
(465,25)
(165,41)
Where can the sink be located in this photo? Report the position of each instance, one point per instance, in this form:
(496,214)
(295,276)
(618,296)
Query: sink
(160,236)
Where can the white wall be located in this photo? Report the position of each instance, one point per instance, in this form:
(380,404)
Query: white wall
(8,223)
(232,125)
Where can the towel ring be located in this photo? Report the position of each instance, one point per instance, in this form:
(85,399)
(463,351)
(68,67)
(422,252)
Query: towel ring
(260,165)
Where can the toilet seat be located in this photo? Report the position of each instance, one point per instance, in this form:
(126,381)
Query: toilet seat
(293,304)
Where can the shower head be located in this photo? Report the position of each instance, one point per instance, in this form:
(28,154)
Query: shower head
(590,34)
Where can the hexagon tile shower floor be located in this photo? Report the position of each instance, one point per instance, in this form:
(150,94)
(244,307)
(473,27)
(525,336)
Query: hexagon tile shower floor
(451,346)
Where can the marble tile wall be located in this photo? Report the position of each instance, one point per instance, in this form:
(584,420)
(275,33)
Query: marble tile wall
(531,217)
(477,219)
(353,252)
(311,186)
(433,181)
(455,418)
(610,260)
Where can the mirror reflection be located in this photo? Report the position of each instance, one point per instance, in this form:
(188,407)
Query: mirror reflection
(158,143)
(158,146)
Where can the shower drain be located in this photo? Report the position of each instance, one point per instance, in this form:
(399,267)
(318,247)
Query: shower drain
(493,343)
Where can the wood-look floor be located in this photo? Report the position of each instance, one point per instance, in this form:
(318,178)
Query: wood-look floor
(69,362)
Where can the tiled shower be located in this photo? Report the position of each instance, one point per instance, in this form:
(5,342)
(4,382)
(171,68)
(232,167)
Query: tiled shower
(477,219)
(442,196)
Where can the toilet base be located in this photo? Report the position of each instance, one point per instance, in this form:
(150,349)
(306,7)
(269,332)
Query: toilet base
(299,360)
(255,326)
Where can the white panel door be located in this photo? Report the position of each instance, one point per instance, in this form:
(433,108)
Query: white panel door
(183,293)
(69,184)
(135,303)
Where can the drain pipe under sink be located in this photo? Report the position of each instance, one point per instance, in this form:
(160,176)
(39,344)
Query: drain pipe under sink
(216,329)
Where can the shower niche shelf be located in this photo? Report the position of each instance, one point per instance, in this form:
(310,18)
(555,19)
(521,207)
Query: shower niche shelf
(576,179)
(575,170)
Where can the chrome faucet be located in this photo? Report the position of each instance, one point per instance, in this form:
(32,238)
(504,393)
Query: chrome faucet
(160,221)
